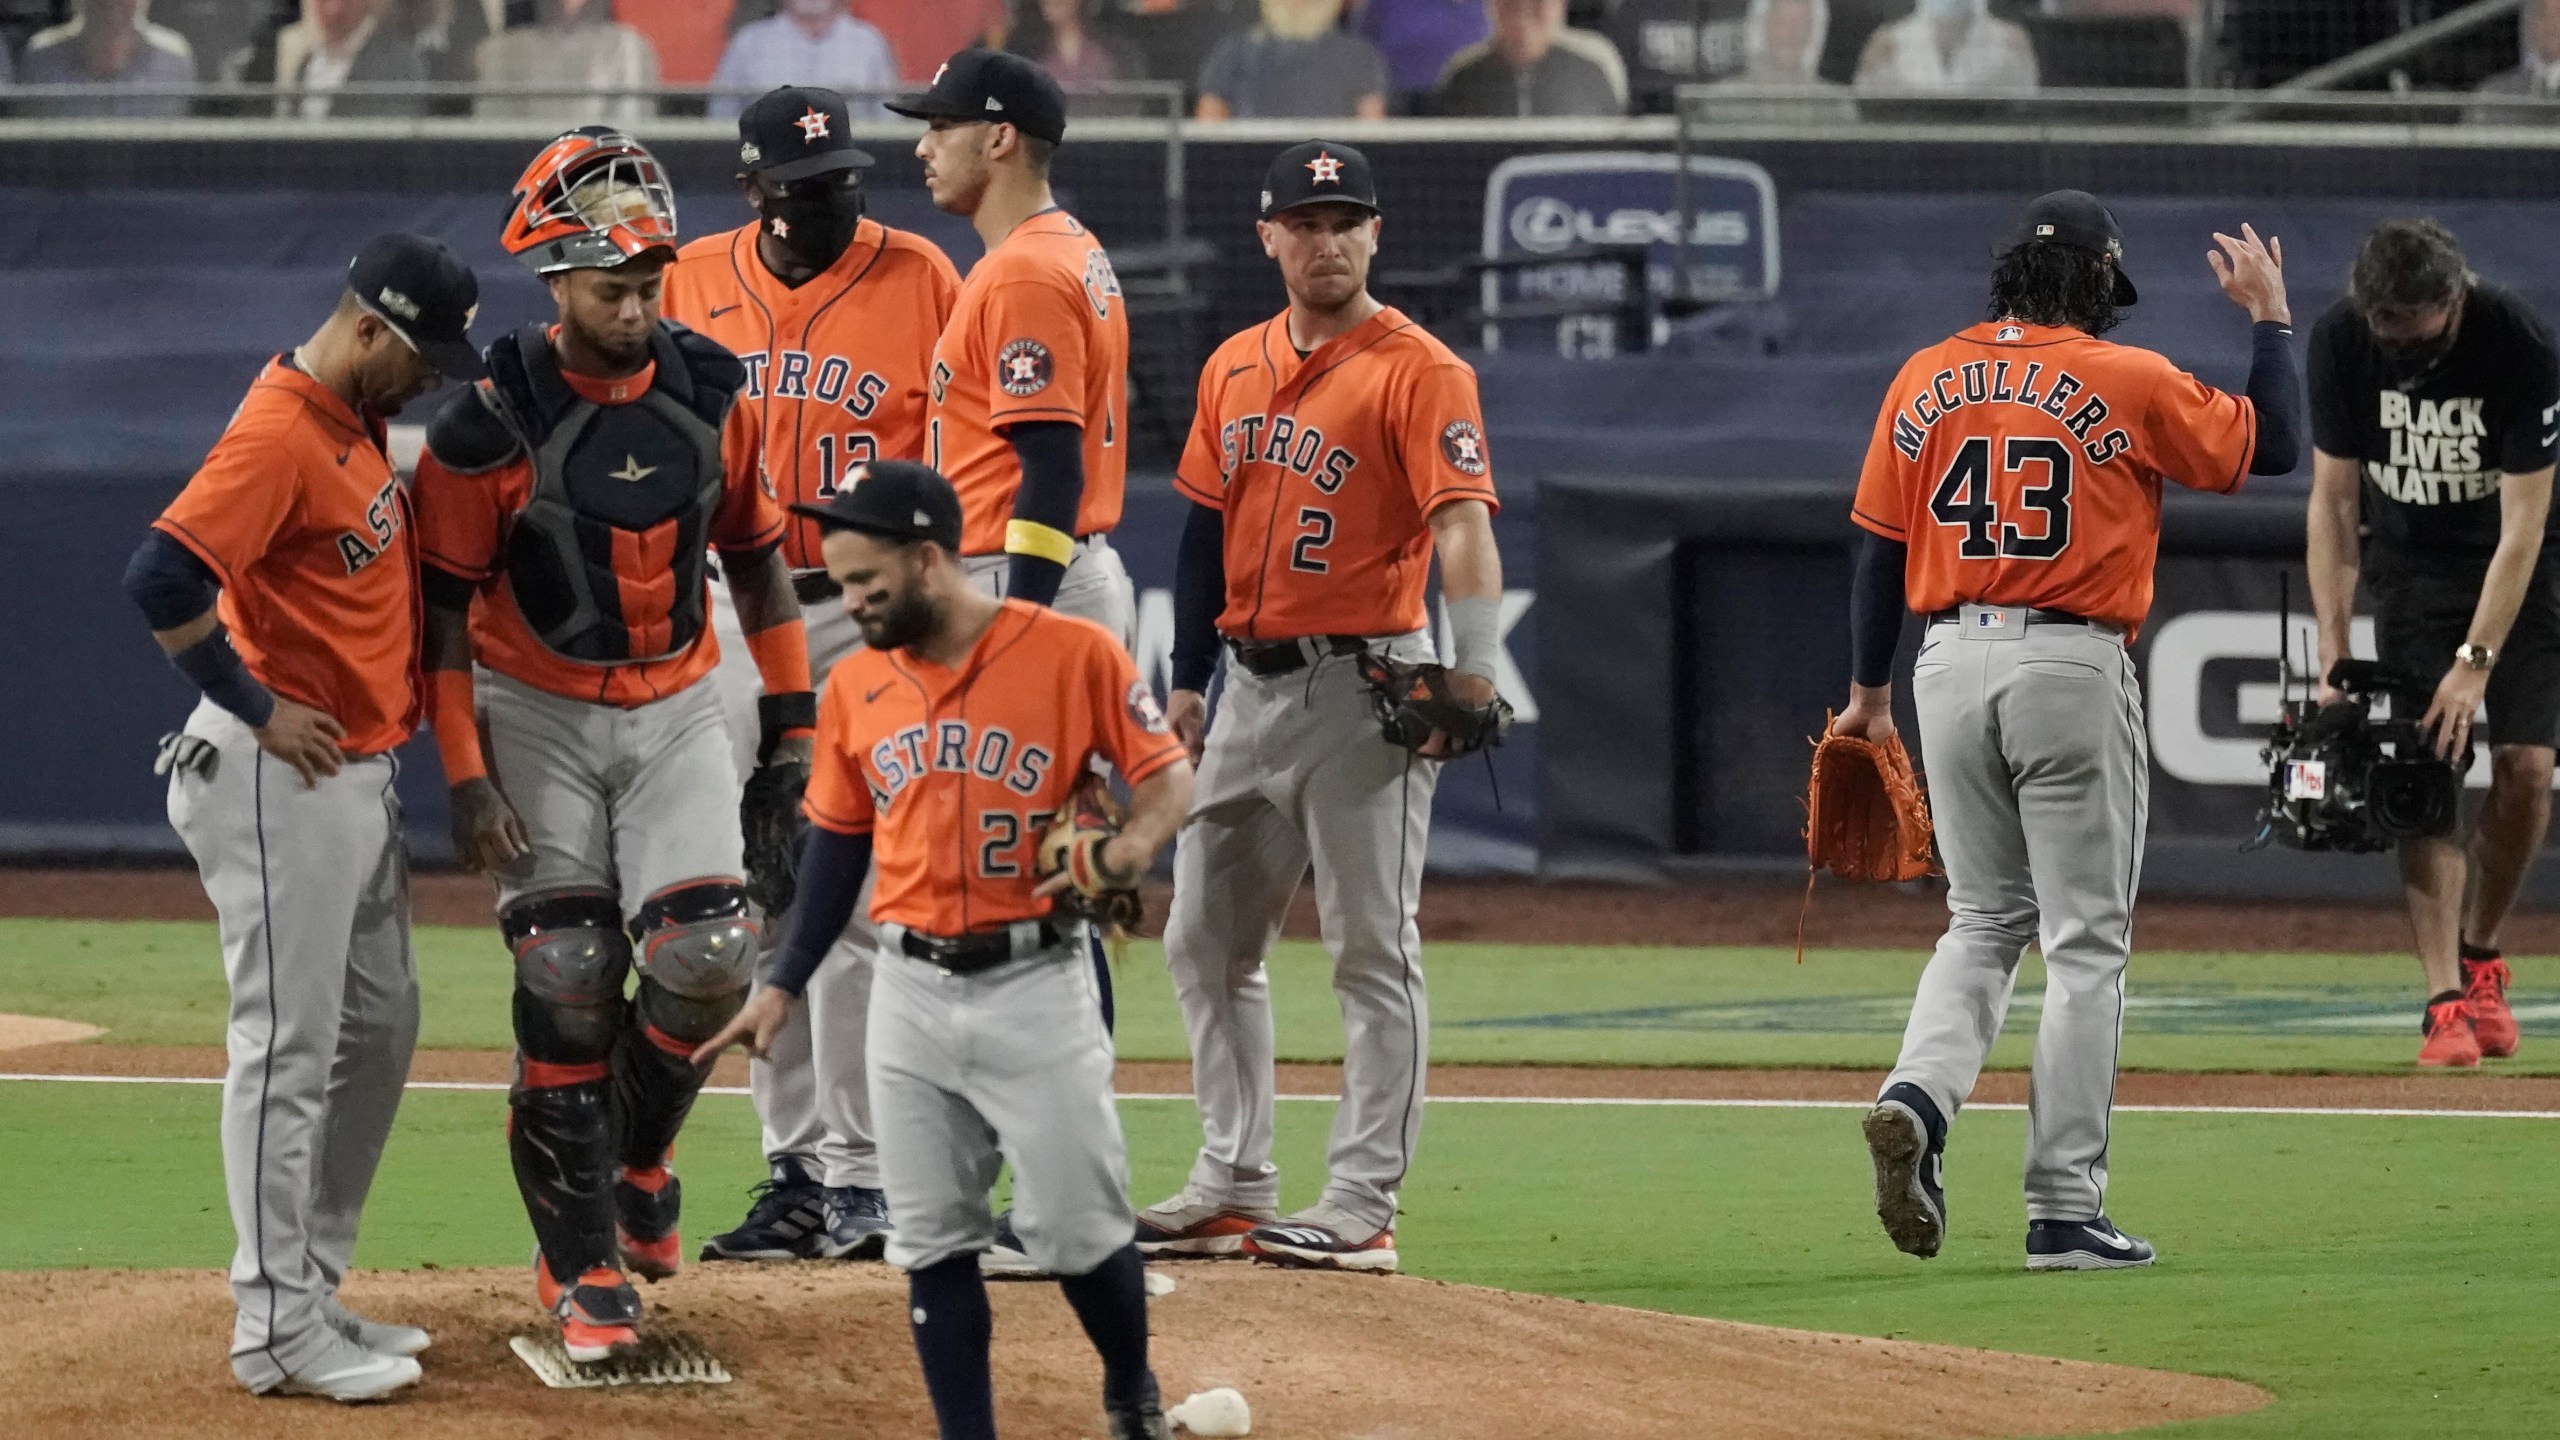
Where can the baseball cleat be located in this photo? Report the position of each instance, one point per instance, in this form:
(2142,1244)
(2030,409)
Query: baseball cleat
(400,1340)
(645,1205)
(1141,1421)
(785,1222)
(599,1316)
(1907,1140)
(1321,1238)
(1006,1259)
(2484,988)
(349,1374)
(1189,1225)
(2084,1245)
(2452,1040)
(856,1223)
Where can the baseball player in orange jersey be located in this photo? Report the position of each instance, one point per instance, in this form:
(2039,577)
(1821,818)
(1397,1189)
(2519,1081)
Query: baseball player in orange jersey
(972,719)
(564,510)
(281,786)
(2012,497)
(835,316)
(1337,448)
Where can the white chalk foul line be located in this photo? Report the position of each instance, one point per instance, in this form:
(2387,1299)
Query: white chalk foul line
(1626,1101)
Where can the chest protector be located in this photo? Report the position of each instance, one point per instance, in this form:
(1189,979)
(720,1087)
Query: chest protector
(607,558)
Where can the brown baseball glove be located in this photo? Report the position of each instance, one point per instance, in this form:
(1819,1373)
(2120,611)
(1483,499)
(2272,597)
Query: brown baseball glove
(1866,817)
(1073,844)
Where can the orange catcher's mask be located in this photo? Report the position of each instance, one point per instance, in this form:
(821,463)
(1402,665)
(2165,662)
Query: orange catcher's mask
(592,199)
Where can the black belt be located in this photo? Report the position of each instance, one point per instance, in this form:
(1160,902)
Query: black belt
(969,954)
(810,587)
(1286,657)
(2034,616)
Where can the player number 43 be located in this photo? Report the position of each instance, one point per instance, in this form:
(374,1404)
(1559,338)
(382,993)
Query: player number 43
(1963,498)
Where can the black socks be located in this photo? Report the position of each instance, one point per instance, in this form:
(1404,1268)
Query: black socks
(1111,1301)
(948,1315)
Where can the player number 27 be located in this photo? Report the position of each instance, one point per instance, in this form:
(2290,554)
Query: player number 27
(1002,831)
(1963,499)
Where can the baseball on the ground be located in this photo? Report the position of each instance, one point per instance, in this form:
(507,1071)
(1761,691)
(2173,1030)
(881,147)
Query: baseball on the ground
(1213,1412)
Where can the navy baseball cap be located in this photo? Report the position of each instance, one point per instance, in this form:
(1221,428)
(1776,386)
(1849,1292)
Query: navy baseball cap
(428,297)
(1318,172)
(796,132)
(2072,217)
(894,500)
(993,86)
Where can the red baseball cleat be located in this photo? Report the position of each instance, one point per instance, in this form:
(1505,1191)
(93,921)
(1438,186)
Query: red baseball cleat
(2451,1041)
(2484,989)
(599,1316)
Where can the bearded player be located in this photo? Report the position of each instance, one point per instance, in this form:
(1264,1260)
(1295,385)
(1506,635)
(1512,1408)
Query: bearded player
(567,508)
(2011,497)
(835,316)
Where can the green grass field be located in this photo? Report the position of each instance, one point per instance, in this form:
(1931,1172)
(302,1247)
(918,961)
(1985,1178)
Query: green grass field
(161,984)
(2382,1276)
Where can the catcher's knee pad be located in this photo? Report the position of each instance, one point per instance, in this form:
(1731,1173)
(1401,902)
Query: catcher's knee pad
(687,1019)
(698,941)
(571,960)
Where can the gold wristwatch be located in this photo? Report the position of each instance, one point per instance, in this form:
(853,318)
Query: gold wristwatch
(2478,657)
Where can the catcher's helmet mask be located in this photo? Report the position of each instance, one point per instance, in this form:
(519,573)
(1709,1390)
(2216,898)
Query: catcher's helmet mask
(593,199)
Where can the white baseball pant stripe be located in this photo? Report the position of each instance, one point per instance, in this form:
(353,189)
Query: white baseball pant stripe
(312,888)
(2039,784)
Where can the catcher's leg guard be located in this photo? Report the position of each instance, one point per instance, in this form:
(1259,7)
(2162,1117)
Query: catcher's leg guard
(698,950)
(571,960)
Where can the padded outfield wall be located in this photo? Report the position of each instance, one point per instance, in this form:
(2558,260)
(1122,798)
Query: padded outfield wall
(1676,534)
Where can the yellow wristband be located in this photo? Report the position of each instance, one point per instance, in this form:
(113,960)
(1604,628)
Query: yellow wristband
(1030,537)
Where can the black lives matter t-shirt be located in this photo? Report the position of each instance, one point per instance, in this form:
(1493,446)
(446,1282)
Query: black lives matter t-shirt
(2433,442)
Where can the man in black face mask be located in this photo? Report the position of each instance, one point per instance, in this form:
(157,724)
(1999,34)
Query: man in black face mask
(835,316)
(2435,415)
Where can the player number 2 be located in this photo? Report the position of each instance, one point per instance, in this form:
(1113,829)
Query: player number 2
(1963,499)
(1315,531)
(837,457)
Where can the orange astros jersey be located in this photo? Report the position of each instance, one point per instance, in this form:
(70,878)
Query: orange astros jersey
(958,772)
(837,368)
(1040,333)
(462,529)
(1328,469)
(2022,465)
(299,516)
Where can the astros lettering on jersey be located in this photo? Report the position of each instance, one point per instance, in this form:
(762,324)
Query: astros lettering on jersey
(838,368)
(1039,333)
(319,578)
(975,762)
(1330,467)
(2022,465)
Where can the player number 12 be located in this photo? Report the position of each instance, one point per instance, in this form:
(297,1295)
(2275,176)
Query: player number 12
(837,458)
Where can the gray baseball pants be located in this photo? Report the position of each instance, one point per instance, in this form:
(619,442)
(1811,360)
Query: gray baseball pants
(2039,783)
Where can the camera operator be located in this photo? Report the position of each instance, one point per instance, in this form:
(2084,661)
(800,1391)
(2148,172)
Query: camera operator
(2434,424)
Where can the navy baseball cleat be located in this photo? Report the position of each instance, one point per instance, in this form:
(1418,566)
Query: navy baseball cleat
(785,1222)
(857,1223)
(1143,1420)
(2084,1245)
(1907,1139)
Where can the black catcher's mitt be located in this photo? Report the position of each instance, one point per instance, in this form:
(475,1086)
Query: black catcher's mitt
(1073,844)
(1414,700)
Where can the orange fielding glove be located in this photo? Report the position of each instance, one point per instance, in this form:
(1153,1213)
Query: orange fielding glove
(1865,815)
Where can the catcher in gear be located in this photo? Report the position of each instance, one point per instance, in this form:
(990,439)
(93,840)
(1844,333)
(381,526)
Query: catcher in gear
(2011,497)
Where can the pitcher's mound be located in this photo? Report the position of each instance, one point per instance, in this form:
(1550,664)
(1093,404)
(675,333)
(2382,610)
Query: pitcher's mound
(823,1349)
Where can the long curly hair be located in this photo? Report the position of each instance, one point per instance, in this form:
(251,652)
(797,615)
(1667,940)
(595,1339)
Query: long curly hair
(2045,282)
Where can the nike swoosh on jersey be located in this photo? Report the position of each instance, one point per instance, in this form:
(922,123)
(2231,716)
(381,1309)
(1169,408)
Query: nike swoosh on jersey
(719,310)
(1238,371)
(875,694)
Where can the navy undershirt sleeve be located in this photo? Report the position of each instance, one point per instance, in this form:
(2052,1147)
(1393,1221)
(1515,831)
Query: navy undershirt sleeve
(168,582)
(1876,608)
(2275,388)
(1052,456)
(1199,593)
(831,870)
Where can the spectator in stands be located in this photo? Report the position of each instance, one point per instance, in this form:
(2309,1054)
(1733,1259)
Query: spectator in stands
(1956,45)
(924,33)
(1669,43)
(1419,37)
(335,44)
(1782,82)
(108,45)
(811,42)
(574,47)
(2538,78)
(687,34)
(1296,62)
(1174,37)
(1533,65)
(216,31)
(448,34)
(1057,35)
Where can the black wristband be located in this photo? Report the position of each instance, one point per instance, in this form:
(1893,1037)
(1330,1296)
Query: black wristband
(217,671)
(790,710)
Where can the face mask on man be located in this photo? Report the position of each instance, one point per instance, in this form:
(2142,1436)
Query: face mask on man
(814,219)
